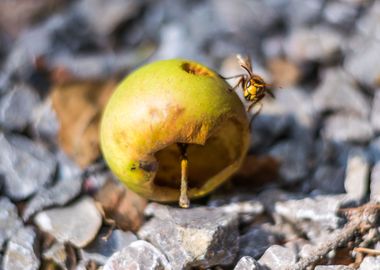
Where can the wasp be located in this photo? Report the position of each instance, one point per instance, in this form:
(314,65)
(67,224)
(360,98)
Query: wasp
(254,87)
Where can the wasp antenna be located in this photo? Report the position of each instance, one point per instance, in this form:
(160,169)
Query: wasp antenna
(247,69)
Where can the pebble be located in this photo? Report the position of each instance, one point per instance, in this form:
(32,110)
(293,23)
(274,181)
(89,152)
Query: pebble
(340,14)
(9,220)
(100,250)
(374,149)
(196,237)
(27,166)
(255,242)
(375,113)
(298,12)
(329,178)
(370,263)
(375,182)
(347,128)
(319,44)
(57,253)
(320,209)
(68,187)
(138,255)
(338,92)
(333,267)
(277,258)
(44,122)
(357,174)
(247,263)
(16,107)
(20,253)
(294,158)
(77,223)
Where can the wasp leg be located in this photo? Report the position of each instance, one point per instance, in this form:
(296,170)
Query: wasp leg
(231,77)
(240,82)
(255,114)
(184,201)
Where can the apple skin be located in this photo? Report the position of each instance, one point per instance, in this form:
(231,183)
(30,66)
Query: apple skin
(168,102)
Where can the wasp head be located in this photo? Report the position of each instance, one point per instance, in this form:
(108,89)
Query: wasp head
(254,88)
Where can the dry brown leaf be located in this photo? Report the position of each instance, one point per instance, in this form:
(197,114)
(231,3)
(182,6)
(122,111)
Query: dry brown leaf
(284,73)
(122,205)
(79,105)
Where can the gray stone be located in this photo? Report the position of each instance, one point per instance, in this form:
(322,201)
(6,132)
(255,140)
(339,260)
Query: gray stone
(57,254)
(68,187)
(357,174)
(375,114)
(340,14)
(347,128)
(329,179)
(374,149)
(16,107)
(375,182)
(20,253)
(246,210)
(197,237)
(27,166)
(9,220)
(100,250)
(255,242)
(368,25)
(339,92)
(78,223)
(44,122)
(315,44)
(294,160)
(298,12)
(370,263)
(138,255)
(320,209)
(247,263)
(277,258)
(333,267)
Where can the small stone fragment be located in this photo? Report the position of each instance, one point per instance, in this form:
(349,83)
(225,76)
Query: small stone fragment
(375,182)
(255,242)
(44,122)
(138,255)
(16,107)
(247,263)
(27,166)
(375,114)
(338,92)
(321,209)
(67,188)
(197,237)
(9,220)
(347,128)
(20,253)
(100,250)
(357,173)
(374,149)
(277,258)
(57,253)
(333,267)
(329,178)
(77,223)
(370,263)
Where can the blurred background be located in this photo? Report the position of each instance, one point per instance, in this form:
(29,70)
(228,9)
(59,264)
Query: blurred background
(60,60)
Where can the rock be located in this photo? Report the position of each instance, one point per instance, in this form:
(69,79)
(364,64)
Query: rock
(341,14)
(375,114)
(370,263)
(357,174)
(44,122)
(375,182)
(298,12)
(138,255)
(27,166)
(374,149)
(294,159)
(78,223)
(66,189)
(277,257)
(319,44)
(339,93)
(255,242)
(320,209)
(197,237)
(57,254)
(247,263)
(100,250)
(329,178)
(368,25)
(347,128)
(9,220)
(333,267)
(16,107)
(20,253)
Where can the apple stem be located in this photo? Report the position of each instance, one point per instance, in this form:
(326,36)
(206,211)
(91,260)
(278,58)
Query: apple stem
(184,201)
